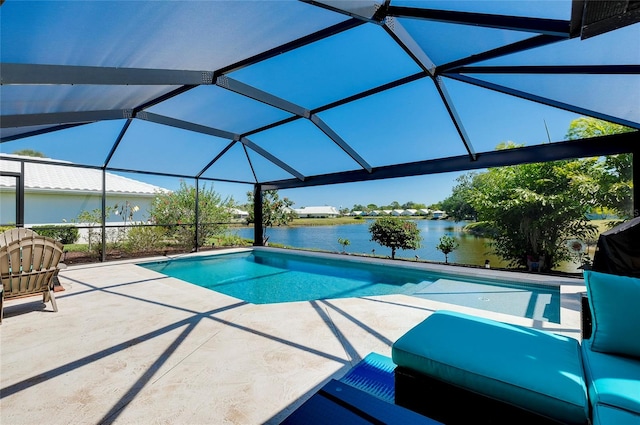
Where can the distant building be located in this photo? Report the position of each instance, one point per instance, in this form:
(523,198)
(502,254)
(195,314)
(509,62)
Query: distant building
(317,212)
(357,213)
(439,215)
(237,214)
(396,213)
(409,212)
(424,211)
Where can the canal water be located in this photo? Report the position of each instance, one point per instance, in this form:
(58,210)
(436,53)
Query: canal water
(473,250)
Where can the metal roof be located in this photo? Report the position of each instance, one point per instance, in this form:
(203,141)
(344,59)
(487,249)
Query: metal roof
(298,93)
(49,177)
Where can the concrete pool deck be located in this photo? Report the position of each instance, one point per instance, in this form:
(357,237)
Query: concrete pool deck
(129,345)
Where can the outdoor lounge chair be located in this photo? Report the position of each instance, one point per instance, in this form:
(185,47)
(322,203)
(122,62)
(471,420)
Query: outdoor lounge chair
(15,234)
(28,266)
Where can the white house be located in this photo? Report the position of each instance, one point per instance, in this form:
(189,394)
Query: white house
(424,211)
(317,212)
(238,214)
(396,213)
(409,212)
(357,213)
(56,194)
(439,215)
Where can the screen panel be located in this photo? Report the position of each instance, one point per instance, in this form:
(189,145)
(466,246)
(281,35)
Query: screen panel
(404,124)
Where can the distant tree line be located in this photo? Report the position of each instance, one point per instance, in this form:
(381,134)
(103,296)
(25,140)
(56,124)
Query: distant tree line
(395,205)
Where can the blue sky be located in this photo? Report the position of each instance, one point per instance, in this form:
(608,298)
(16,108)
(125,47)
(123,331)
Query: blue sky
(405,124)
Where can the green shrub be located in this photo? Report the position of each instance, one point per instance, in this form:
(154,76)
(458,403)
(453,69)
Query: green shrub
(447,245)
(4,228)
(395,233)
(230,239)
(63,234)
(143,239)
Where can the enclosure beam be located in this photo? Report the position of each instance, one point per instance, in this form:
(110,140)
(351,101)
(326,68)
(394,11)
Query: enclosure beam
(28,74)
(39,132)
(455,117)
(261,96)
(543,100)
(186,125)
(364,12)
(550,69)
(517,23)
(402,37)
(292,45)
(597,146)
(248,143)
(518,46)
(54,118)
(340,142)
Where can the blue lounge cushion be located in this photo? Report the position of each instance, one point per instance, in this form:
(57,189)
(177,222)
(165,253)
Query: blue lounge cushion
(612,380)
(535,370)
(609,415)
(615,309)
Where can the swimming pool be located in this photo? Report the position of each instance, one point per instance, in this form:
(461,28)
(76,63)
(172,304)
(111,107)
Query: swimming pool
(264,277)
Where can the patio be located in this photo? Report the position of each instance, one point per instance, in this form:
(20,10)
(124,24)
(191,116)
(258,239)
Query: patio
(131,346)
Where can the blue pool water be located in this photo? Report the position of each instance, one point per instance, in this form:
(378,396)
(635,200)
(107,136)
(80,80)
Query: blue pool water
(262,277)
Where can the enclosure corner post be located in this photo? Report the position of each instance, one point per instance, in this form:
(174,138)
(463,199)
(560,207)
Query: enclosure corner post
(257,215)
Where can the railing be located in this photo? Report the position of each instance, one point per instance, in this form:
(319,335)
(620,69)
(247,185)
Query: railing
(92,243)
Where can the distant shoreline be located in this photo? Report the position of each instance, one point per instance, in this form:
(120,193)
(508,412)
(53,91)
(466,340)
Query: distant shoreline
(336,221)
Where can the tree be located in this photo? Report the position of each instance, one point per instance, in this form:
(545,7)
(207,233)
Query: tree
(275,211)
(177,212)
(534,208)
(447,245)
(345,243)
(395,233)
(457,205)
(586,127)
(29,152)
(614,173)
(412,205)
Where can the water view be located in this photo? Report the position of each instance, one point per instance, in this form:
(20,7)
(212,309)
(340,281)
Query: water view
(473,250)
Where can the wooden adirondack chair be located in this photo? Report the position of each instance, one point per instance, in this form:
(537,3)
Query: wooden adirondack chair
(15,234)
(28,266)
